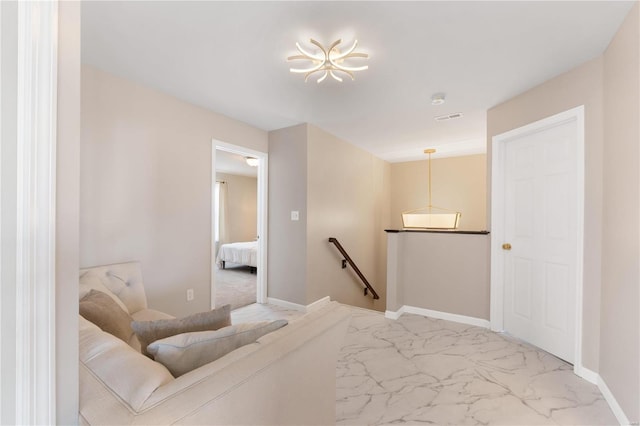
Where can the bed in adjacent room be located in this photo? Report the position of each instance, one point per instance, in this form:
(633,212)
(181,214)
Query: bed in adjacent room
(242,253)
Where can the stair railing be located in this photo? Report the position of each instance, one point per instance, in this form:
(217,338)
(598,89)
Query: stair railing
(347,259)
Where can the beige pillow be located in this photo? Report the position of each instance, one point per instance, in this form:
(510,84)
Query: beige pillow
(89,281)
(150,331)
(103,311)
(185,352)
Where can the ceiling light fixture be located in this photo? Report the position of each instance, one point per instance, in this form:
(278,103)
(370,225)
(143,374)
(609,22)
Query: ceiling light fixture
(437,99)
(253,162)
(431,217)
(328,61)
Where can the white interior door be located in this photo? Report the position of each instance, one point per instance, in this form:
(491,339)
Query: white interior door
(540,202)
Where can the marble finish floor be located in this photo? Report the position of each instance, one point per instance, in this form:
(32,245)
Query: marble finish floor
(263,312)
(419,370)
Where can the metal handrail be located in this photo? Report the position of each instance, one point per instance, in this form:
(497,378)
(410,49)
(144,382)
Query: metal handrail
(347,259)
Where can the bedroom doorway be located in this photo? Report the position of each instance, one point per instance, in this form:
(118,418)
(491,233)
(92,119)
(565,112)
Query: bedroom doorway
(238,225)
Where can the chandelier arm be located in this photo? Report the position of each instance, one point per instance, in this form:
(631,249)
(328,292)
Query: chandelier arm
(333,46)
(295,57)
(349,73)
(324,51)
(346,52)
(310,55)
(335,77)
(321,79)
(357,55)
(307,75)
(346,68)
(306,70)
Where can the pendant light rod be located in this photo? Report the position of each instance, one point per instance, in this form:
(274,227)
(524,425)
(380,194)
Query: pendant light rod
(429,151)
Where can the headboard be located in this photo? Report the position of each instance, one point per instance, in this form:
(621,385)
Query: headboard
(124,280)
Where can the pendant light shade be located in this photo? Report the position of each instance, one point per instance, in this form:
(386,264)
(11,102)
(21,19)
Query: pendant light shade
(431,217)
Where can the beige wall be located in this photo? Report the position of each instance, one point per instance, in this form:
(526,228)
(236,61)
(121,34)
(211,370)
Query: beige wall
(580,86)
(287,261)
(340,191)
(348,194)
(458,183)
(242,206)
(145,185)
(67,212)
(427,273)
(620,319)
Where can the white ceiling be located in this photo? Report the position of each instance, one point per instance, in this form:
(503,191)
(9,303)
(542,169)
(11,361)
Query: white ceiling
(234,164)
(230,57)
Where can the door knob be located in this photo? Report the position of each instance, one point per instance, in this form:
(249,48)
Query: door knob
(506,246)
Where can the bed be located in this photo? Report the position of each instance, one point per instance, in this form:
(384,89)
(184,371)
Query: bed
(243,253)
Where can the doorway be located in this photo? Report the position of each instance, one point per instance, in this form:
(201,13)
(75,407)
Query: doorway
(246,260)
(537,234)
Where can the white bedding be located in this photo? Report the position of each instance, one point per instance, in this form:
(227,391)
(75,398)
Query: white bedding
(242,253)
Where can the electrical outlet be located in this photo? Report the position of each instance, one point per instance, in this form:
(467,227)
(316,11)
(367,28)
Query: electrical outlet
(189,295)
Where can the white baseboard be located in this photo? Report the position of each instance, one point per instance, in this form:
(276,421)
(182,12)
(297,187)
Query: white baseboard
(285,304)
(297,307)
(478,322)
(613,404)
(318,303)
(593,377)
(588,375)
(394,315)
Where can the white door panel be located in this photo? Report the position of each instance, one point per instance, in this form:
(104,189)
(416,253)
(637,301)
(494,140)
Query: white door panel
(540,204)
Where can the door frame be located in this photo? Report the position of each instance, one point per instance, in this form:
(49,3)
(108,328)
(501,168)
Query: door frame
(263,157)
(498,164)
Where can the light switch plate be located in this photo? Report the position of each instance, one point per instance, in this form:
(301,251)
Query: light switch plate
(295,215)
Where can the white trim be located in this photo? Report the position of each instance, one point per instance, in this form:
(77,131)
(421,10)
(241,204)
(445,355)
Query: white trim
(462,319)
(285,304)
(35,244)
(2,285)
(613,403)
(496,313)
(317,304)
(297,307)
(589,375)
(262,226)
(497,219)
(394,315)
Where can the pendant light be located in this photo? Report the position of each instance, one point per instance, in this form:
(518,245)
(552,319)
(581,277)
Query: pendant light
(431,217)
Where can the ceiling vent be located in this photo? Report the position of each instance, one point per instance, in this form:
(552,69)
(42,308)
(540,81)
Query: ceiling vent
(448,116)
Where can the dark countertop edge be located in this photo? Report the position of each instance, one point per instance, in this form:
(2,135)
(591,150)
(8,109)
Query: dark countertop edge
(434,231)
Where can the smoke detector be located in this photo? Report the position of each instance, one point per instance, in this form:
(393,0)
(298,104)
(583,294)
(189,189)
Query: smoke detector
(437,99)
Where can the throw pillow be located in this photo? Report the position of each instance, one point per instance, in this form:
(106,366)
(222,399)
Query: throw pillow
(185,352)
(150,331)
(90,281)
(103,311)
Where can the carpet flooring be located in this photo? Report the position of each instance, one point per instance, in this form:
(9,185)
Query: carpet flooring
(235,285)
